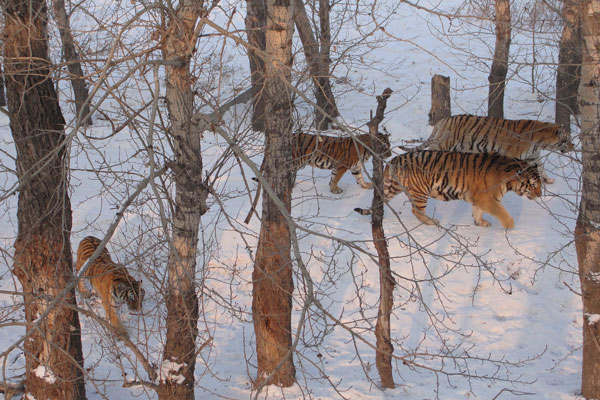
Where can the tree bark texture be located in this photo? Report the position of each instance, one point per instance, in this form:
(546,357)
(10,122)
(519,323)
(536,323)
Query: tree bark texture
(73,61)
(497,77)
(272,274)
(42,261)
(318,60)
(440,99)
(256,22)
(383,357)
(2,94)
(569,65)
(587,229)
(179,357)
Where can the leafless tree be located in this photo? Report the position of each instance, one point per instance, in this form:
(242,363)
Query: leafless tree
(318,57)
(569,65)
(256,22)
(385,349)
(2,90)
(499,69)
(272,274)
(587,230)
(73,61)
(178,44)
(42,259)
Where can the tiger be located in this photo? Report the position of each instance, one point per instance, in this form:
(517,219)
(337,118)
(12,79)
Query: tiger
(522,138)
(110,280)
(482,179)
(337,154)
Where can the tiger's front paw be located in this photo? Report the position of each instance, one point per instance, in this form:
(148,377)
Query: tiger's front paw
(335,189)
(366,185)
(508,224)
(483,222)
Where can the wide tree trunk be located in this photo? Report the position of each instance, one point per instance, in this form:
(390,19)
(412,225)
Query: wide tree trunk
(440,99)
(42,261)
(497,77)
(256,22)
(569,65)
(587,229)
(318,59)
(71,57)
(179,357)
(272,274)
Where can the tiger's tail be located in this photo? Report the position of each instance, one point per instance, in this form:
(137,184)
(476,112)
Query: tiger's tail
(420,147)
(363,211)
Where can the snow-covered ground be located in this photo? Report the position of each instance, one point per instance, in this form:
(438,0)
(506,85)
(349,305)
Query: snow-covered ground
(480,313)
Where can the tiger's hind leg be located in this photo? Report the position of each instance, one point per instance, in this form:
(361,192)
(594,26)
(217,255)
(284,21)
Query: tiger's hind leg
(358,175)
(419,203)
(336,175)
(495,208)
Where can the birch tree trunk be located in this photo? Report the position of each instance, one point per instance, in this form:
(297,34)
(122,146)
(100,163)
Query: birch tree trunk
(587,229)
(497,77)
(569,65)
(272,274)
(42,261)
(73,61)
(256,22)
(179,357)
(318,59)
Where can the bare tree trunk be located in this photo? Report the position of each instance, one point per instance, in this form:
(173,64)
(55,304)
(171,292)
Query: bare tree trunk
(383,357)
(272,274)
(569,65)
(42,261)
(2,95)
(72,59)
(497,77)
(256,22)
(318,61)
(179,358)
(587,229)
(440,99)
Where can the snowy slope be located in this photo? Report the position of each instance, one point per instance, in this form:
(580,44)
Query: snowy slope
(480,313)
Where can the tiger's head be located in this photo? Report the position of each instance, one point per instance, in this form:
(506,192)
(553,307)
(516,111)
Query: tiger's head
(132,293)
(526,180)
(565,144)
(555,137)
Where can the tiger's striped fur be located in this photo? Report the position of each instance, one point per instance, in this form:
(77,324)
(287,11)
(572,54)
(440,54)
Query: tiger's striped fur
(481,179)
(522,139)
(337,154)
(110,280)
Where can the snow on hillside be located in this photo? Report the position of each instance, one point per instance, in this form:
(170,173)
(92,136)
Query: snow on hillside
(480,313)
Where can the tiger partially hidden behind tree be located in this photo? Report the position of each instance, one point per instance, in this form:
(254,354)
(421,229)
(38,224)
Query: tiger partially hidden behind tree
(338,154)
(480,179)
(110,280)
(522,138)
